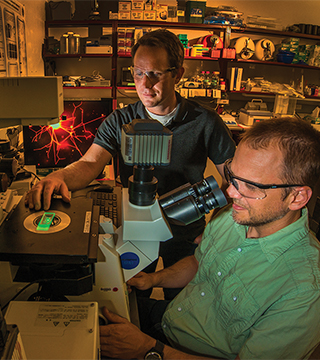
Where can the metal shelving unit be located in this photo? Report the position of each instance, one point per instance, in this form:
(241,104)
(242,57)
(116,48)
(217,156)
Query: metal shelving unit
(114,58)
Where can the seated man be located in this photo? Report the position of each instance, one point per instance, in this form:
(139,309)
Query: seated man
(252,289)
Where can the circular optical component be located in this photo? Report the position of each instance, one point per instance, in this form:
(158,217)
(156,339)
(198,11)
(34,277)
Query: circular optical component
(58,222)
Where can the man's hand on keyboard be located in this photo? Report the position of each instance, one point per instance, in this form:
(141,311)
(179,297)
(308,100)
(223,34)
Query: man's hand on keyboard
(44,190)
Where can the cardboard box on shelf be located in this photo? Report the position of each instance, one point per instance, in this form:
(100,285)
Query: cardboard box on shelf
(129,42)
(136,15)
(130,33)
(195,11)
(124,6)
(122,33)
(121,42)
(172,13)
(121,50)
(102,49)
(162,12)
(113,16)
(124,15)
(137,5)
(150,15)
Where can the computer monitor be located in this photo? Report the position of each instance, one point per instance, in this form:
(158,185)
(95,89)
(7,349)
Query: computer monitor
(58,145)
(30,100)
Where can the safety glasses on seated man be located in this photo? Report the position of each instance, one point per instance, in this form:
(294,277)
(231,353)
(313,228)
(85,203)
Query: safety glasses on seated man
(247,188)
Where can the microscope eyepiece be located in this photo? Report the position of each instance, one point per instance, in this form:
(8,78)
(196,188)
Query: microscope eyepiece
(189,203)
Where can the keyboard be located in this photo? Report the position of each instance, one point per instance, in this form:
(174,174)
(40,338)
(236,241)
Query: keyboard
(109,203)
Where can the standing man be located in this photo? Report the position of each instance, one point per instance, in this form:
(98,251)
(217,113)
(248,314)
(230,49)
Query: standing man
(197,134)
(252,289)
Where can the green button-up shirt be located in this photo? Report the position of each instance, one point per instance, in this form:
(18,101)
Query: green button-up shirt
(259,298)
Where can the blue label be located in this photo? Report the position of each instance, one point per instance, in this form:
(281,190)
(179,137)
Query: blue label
(129,260)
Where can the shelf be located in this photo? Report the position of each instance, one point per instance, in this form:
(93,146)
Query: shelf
(87,92)
(200,58)
(126,88)
(270,94)
(73,23)
(115,91)
(276,63)
(76,55)
(260,93)
(139,23)
(87,87)
(260,31)
(177,25)
(124,55)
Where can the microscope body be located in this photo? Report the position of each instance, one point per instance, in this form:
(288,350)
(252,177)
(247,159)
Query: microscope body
(124,252)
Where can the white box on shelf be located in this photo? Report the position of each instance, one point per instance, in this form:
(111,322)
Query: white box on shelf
(137,5)
(102,49)
(136,15)
(124,15)
(150,15)
(124,6)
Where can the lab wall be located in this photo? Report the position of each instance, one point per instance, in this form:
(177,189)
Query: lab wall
(35,20)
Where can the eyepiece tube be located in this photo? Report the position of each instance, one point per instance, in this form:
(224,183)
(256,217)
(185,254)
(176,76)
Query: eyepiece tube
(199,189)
(184,207)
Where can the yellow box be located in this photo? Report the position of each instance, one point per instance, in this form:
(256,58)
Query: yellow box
(113,16)
(124,6)
(162,12)
(136,15)
(124,15)
(137,5)
(150,15)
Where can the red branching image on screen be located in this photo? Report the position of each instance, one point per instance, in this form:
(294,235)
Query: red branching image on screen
(65,142)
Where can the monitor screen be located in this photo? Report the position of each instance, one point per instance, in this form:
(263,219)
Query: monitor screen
(58,145)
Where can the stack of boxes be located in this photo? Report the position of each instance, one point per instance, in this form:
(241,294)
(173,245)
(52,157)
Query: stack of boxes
(184,40)
(148,10)
(290,44)
(126,38)
(303,53)
(192,11)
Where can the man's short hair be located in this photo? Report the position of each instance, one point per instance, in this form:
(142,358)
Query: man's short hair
(299,143)
(165,39)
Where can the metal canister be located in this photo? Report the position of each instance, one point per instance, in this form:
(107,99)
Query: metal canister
(74,43)
(64,44)
(71,42)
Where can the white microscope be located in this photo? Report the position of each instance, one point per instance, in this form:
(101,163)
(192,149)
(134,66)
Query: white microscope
(102,260)
(78,241)
(125,251)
